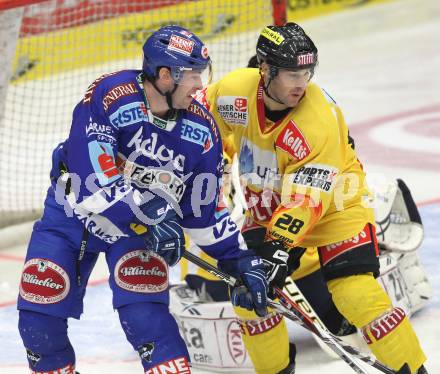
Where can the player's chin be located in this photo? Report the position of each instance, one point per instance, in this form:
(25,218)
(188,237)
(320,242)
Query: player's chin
(184,103)
(292,100)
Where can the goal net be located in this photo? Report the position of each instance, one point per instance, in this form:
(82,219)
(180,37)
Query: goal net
(52,50)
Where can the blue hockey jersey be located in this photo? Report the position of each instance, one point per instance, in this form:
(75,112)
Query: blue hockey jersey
(117,149)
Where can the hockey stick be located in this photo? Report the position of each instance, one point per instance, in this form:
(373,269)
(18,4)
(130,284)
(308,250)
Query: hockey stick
(294,293)
(290,310)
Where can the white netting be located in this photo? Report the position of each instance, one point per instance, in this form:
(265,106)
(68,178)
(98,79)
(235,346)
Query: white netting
(64,45)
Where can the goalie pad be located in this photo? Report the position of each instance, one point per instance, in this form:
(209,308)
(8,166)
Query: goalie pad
(213,335)
(405,280)
(399,231)
(211,332)
(398,224)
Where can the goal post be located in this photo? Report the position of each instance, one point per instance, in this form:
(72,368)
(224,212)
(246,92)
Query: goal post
(52,50)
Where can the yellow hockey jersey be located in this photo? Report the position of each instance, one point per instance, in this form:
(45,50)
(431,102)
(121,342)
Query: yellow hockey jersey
(301,178)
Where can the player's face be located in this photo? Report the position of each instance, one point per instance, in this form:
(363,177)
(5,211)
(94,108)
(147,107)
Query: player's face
(289,86)
(188,85)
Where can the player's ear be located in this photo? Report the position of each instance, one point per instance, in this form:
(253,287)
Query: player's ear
(264,69)
(164,75)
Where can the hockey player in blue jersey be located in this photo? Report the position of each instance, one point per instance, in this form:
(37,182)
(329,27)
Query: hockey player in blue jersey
(143,159)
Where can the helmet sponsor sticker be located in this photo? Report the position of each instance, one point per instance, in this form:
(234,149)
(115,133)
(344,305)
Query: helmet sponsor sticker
(186,33)
(233,109)
(292,141)
(204,52)
(212,333)
(141,271)
(43,282)
(181,45)
(307,59)
(273,36)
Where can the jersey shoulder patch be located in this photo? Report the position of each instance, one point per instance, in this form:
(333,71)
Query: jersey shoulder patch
(198,111)
(233,109)
(198,126)
(115,84)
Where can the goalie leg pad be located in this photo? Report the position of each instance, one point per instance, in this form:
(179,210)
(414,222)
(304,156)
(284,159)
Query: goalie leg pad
(47,344)
(153,333)
(405,280)
(265,338)
(386,330)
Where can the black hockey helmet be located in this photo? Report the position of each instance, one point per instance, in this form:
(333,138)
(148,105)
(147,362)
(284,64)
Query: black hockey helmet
(286,47)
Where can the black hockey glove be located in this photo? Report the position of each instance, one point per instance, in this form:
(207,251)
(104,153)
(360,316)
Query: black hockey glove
(275,259)
(279,262)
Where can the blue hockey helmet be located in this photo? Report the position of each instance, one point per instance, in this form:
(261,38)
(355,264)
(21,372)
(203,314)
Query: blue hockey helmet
(176,48)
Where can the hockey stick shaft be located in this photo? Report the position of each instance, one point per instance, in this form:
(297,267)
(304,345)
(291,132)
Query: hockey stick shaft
(295,294)
(291,311)
(303,320)
(332,341)
(229,279)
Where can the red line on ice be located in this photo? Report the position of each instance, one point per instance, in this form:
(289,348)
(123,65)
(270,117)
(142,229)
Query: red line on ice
(371,151)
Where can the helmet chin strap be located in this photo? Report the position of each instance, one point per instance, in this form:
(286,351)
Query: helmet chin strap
(167,95)
(272,74)
(266,91)
(169,98)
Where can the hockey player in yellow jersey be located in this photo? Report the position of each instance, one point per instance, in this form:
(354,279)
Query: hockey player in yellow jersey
(305,187)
